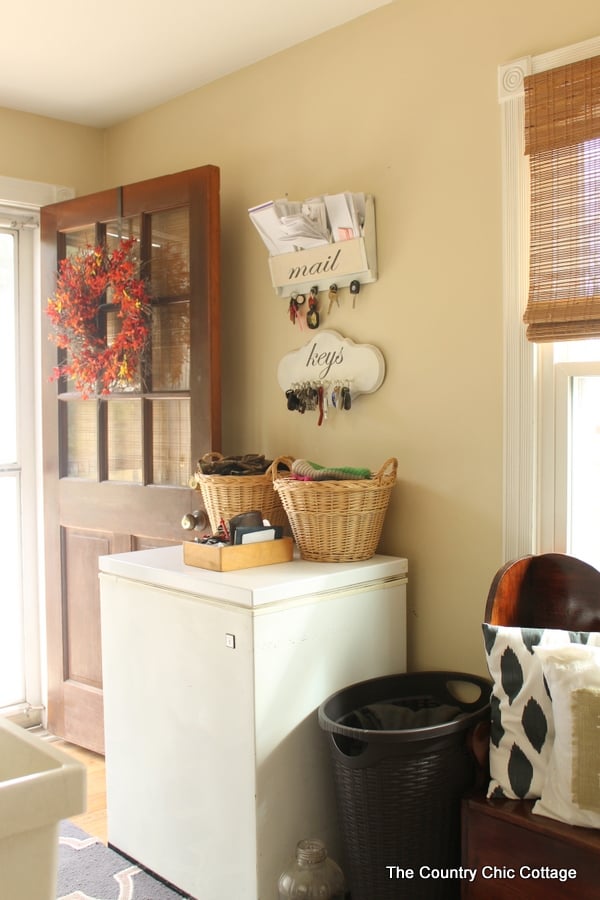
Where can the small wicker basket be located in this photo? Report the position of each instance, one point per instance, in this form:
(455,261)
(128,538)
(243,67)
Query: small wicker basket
(226,496)
(337,521)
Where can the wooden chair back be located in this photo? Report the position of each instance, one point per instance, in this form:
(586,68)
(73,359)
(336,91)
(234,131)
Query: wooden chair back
(550,590)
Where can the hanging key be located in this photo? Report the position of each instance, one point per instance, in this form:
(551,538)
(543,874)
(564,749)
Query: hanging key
(346,398)
(333,296)
(312,316)
(354,290)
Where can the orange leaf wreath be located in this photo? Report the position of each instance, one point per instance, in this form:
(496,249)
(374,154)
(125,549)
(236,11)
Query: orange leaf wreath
(94,364)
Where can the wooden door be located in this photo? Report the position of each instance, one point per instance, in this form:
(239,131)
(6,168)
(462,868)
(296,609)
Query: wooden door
(117,466)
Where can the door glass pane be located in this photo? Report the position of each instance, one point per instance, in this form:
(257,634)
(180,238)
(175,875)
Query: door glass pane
(113,326)
(82,439)
(171,346)
(123,229)
(584,470)
(80,240)
(171,442)
(76,242)
(170,260)
(124,423)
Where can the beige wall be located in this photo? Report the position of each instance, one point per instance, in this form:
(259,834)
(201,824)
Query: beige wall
(36,148)
(401,104)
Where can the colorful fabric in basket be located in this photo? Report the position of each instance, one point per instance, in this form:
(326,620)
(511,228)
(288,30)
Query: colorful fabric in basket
(306,470)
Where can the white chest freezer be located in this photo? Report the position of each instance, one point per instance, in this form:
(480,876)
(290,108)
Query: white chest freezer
(215,763)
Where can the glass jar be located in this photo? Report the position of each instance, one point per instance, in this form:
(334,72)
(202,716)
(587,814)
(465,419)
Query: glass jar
(312,875)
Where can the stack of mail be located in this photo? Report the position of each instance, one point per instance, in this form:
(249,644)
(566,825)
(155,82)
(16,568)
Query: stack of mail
(346,214)
(289,225)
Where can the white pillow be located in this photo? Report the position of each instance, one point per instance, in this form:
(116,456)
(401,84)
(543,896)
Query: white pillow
(522,727)
(571,792)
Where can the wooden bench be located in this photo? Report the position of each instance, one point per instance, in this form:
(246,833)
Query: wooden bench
(508,845)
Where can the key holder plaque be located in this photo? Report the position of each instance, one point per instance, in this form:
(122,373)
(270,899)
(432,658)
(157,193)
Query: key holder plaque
(330,358)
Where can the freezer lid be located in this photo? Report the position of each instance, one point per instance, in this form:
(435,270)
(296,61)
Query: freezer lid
(164,567)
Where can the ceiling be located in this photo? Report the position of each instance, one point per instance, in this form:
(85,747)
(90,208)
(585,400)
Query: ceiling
(98,63)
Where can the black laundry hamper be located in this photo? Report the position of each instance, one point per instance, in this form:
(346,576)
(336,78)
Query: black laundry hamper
(398,791)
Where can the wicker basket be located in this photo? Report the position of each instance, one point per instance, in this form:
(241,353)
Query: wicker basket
(226,496)
(337,521)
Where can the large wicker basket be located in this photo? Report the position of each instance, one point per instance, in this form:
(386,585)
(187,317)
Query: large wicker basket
(337,521)
(226,496)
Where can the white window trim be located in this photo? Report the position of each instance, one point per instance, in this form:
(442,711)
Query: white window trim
(526,424)
(20,203)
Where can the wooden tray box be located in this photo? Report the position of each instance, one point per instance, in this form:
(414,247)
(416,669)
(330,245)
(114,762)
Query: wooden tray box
(240,556)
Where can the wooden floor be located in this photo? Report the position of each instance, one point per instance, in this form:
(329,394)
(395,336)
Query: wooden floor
(94,819)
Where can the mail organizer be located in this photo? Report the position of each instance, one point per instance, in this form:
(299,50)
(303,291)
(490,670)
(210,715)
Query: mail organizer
(337,262)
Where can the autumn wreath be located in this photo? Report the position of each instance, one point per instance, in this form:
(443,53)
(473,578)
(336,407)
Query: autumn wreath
(95,363)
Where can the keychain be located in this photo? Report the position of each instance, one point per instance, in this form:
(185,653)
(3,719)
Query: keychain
(296,315)
(321,397)
(335,396)
(312,316)
(333,296)
(354,290)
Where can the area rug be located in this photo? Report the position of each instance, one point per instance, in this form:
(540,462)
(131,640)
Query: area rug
(89,870)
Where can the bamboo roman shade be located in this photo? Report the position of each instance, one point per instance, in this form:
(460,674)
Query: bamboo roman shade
(562,138)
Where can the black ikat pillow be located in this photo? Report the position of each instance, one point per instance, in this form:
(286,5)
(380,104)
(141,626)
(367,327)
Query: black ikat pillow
(522,723)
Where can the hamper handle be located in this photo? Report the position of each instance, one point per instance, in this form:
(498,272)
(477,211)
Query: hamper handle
(392,462)
(473,689)
(345,748)
(194,480)
(354,753)
(274,467)
(213,456)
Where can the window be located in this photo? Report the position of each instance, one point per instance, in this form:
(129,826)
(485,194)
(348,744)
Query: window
(582,487)
(12,672)
(552,459)
(19,629)
(22,657)
(569,496)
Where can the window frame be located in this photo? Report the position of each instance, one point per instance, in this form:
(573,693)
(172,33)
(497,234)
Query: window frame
(20,201)
(529,503)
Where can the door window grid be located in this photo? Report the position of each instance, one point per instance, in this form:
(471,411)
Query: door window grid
(105,438)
